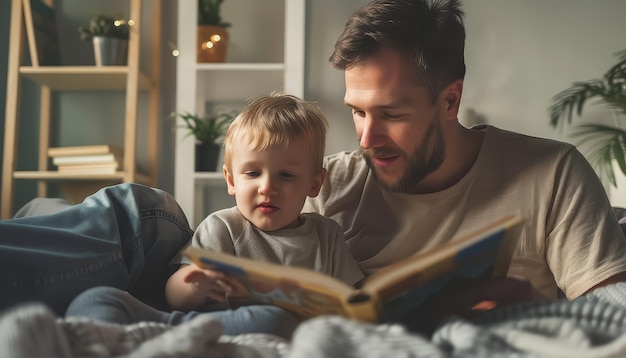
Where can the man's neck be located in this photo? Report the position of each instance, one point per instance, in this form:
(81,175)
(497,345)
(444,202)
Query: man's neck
(462,149)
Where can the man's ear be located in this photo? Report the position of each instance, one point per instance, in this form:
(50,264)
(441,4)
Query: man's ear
(452,100)
(318,180)
(229,181)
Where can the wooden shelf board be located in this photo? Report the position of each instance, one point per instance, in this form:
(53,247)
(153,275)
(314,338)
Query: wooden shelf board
(82,77)
(241,66)
(55,175)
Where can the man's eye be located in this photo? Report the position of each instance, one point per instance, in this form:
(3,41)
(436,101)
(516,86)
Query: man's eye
(252,174)
(393,116)
(358,113)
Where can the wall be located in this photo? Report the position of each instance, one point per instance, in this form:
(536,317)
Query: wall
(518,55)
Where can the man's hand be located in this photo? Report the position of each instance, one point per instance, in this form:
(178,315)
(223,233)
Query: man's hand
(469,302)
(488,295)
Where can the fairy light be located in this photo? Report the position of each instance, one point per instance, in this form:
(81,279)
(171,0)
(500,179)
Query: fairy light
(121,22)
(173,48)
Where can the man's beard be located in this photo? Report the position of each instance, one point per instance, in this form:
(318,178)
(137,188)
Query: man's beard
(426,158)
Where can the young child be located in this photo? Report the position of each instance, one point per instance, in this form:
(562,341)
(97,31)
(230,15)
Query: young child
(273,154)
(273,158)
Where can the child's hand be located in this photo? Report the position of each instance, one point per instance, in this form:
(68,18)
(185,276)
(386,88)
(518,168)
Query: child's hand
(210,284)
(236,288)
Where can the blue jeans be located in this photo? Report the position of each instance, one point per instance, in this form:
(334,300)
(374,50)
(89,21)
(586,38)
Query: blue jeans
(123,236)
(112,305)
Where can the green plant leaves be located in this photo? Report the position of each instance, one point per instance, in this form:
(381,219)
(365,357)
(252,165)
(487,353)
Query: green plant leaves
(209,13)
(208,129)
(104,25)
(608,143)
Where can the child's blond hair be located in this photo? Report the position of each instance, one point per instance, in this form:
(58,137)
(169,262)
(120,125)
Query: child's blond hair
(278,119)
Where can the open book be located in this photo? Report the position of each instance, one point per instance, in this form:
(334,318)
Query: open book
(385,295)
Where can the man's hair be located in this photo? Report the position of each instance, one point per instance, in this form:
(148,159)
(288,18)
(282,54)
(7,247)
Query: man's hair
(278,119)
(429,32)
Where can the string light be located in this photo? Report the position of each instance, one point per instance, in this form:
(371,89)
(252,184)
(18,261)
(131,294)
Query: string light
(118,23)
(174,49)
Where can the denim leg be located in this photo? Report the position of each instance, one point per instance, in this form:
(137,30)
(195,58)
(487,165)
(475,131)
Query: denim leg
(112,305)
(122,236)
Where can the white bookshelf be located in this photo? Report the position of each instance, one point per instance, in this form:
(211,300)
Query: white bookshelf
(266,53)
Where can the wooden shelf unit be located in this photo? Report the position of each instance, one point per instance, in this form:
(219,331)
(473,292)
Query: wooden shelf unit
(128,79)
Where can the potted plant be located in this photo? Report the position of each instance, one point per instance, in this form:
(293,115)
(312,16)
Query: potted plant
(212,36)
(208,131)
(109,35)
(607,142)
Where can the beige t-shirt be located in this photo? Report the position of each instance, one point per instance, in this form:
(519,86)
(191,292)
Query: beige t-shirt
(317,244)
(570,238)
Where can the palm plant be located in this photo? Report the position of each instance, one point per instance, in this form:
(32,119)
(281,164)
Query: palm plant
(608,143)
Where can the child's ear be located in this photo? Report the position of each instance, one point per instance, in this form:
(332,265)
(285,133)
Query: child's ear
(229,181)
(318,180)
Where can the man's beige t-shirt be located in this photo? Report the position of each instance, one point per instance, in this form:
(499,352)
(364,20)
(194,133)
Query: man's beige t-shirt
(570,239)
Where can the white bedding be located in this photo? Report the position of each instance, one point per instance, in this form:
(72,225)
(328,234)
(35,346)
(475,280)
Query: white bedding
(591,326)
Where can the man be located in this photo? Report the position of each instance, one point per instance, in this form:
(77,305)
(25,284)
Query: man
(420,177)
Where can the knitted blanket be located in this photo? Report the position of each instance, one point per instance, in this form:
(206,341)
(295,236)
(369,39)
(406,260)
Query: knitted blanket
(590,326)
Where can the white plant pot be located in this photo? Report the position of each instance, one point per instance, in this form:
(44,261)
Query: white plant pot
(110,51)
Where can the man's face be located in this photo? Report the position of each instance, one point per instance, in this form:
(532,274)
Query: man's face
(399,128)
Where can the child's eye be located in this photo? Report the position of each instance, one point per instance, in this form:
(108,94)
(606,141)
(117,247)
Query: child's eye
(252,174)
(286,175)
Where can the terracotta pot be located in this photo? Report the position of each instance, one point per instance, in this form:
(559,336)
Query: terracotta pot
(207,156)
(212,43)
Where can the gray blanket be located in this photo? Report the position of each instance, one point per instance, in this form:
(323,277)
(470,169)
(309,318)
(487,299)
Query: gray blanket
(590,326)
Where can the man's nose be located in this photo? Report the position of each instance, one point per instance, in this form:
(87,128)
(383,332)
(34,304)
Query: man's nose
(369,133)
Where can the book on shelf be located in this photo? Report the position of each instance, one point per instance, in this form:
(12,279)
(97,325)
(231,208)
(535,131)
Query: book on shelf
(387,294)
(85,150)
(86,159)
(99,168)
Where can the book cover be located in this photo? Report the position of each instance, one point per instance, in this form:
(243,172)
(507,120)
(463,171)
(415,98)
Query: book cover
(84,150)
(385,295)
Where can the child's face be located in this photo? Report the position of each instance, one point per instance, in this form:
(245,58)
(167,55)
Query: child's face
(270,186)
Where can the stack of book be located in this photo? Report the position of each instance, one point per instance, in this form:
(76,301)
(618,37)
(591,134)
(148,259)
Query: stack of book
(91,159)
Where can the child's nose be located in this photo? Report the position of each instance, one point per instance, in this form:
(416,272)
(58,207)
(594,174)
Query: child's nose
(267,187)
